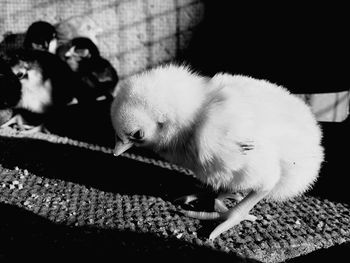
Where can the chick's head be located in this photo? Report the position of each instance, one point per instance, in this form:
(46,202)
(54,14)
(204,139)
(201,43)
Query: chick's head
(152,109)
(135,120)
(134,127)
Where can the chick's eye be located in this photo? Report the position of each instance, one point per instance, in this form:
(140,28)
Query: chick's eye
(21,74)
(137,135)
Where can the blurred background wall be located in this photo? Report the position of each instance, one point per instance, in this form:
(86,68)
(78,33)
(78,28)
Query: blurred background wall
(131,34)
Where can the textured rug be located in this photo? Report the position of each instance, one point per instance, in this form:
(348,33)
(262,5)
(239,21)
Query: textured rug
(60,197)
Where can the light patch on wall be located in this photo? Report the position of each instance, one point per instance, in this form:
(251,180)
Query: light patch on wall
(333,107)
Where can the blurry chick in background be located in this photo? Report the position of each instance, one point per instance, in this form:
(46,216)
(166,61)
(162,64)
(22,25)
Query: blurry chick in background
(234,132)
(10,90)
(46,85)
(97,73)
(41,35)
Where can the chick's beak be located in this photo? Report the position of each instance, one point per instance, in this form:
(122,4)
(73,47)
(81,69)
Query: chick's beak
(121,147)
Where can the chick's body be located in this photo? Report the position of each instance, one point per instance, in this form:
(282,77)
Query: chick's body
(234,132)
(254,135)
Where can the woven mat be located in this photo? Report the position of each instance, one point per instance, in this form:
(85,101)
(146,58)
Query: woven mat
(60,196)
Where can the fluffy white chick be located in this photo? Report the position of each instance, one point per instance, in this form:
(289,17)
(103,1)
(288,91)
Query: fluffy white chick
(235,133)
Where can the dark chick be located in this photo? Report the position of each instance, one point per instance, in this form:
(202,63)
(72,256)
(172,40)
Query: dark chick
(46,85)
(41,35)
(97,73)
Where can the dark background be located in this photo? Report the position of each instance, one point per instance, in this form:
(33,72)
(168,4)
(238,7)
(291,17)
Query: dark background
(299,46)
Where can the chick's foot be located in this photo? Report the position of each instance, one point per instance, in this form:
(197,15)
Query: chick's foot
(238,213)
(230,217)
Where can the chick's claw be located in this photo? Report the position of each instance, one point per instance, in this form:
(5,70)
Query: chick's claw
(186,199)
(219,206)
(235,196)
(193,199)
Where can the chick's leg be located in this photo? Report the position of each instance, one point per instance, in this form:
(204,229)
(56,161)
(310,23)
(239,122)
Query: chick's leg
(238,213)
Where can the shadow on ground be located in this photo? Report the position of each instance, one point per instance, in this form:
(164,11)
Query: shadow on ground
(25,235)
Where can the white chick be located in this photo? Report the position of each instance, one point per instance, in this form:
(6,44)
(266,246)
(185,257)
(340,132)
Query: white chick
(235,133)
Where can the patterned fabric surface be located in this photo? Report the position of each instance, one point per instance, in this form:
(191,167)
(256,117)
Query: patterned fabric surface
(59,195)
